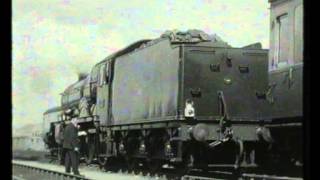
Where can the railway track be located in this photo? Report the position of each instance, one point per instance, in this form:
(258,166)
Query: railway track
(25,172)
(171,174)
(231,175)
(241,177)
(268,177)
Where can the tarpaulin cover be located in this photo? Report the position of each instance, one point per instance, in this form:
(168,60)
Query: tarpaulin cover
(145,84)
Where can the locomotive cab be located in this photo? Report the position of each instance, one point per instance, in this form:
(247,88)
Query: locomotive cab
(285,108)
(286,59)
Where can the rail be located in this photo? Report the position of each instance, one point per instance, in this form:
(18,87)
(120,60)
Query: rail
(25,172)
(240,177)
(269,177)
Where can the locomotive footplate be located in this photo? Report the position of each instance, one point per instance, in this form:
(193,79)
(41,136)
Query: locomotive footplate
(87,119)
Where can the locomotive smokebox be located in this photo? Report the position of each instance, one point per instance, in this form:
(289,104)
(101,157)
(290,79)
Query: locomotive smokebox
(200,132)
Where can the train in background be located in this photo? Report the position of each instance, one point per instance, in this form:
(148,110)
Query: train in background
(190,100)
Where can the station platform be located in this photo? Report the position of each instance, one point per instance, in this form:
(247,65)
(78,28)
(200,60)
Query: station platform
(89,172)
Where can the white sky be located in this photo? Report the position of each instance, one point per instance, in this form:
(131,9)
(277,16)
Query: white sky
(55,39)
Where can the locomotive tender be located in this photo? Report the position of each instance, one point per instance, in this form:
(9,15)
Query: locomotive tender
(191,100)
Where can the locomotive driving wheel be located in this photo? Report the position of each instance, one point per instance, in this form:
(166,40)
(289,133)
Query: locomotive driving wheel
(155,165)
(114,164)
(102,162)
(132,164)
(90,149)
(60,156)
(186,165)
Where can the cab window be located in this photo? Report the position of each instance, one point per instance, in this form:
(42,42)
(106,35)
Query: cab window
(102,76)
(298,34)
(107,73)
(281,43)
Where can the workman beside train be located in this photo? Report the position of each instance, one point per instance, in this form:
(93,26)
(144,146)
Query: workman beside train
(71,147)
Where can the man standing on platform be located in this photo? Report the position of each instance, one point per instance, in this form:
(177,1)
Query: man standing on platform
(71,147)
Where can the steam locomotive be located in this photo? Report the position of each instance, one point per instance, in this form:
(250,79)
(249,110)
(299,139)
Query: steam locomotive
(190,100)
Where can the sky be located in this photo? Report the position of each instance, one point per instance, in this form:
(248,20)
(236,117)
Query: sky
(53,40)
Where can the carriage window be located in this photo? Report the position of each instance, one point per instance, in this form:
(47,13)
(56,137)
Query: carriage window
(298,33)
(281,40)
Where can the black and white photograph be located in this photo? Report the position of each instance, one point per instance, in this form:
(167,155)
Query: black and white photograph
(157,89)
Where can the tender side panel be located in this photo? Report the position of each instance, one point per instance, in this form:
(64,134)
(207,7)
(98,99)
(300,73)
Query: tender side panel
(145,85)
(238,73)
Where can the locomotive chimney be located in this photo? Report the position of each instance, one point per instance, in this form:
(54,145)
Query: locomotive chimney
(82,76)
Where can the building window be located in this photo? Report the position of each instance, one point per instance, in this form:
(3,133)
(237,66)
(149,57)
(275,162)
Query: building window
(298,34)
(282,38)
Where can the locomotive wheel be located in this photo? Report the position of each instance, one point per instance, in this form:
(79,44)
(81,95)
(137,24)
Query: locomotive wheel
(186,165)
(154,166)
(114,164)
(60,156)
(102,162)
(239,154)
(132,164)
(90,154)
(90,151)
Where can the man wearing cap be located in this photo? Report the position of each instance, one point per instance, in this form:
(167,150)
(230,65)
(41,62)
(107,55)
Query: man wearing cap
(71,147)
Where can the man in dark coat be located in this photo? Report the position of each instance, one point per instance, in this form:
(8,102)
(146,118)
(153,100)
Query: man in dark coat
(71,147)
